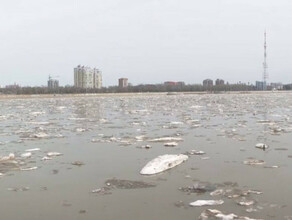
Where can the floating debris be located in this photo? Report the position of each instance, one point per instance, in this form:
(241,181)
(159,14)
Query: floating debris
(272,167)
(46,158)
(245,202)
(262,146)
(195,152)
(54,154)
(26,155)
(16,189)
(96,190)
(205,158)
(28,168)
(33,150)
(199,187)
(77,163)
(281,148)
(180,204)
(128,184)
(254,162)
(162,163)
(147,146)
(166,139)
(170,144)
(217,192)
(39,135)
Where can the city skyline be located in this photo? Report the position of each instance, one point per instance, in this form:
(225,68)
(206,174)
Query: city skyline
(149,42)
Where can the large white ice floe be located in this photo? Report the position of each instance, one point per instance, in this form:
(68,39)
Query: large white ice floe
(206,203)
(162,163)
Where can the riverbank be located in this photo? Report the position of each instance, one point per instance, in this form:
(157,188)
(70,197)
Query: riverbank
(33,96)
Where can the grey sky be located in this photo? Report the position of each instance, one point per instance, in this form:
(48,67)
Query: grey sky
(148,41)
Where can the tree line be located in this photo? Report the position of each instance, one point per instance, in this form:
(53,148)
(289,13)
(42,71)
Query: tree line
(134,89)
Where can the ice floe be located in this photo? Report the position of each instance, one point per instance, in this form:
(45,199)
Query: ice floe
(206,203)
(162,163)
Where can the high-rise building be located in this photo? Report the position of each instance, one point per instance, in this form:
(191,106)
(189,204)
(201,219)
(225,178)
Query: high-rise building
(261,85)
(123,82)
(208,82)
(86,77)
(219,82)
(53,83)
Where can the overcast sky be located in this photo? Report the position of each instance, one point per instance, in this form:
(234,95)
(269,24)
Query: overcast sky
(148,41)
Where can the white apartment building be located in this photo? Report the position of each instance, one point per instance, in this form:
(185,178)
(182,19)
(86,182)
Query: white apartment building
(88,78)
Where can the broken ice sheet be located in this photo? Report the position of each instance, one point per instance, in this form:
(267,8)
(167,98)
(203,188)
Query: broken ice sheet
(213,213)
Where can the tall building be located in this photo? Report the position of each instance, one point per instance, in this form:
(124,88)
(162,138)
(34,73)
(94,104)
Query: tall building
(88,78)
(261,85)
(208,82)
(53,83)
(123,83)
(219,82)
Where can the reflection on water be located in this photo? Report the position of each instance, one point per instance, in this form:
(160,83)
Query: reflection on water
(103,142)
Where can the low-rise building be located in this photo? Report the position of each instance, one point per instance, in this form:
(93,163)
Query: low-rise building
(172,83)
(277,86)
(13,86)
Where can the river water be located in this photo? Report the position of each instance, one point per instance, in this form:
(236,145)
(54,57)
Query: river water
(101,138)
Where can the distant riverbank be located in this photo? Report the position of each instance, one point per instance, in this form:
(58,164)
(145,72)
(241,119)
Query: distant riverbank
(13,96)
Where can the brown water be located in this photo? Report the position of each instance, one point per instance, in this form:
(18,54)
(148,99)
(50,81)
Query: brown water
(103,133)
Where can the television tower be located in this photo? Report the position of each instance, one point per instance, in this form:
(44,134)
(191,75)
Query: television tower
(265,65)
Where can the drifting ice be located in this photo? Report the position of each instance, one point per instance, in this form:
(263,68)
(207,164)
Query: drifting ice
(206,202)
(162,163)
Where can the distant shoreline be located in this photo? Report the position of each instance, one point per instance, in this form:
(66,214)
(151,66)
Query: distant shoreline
(82,95)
